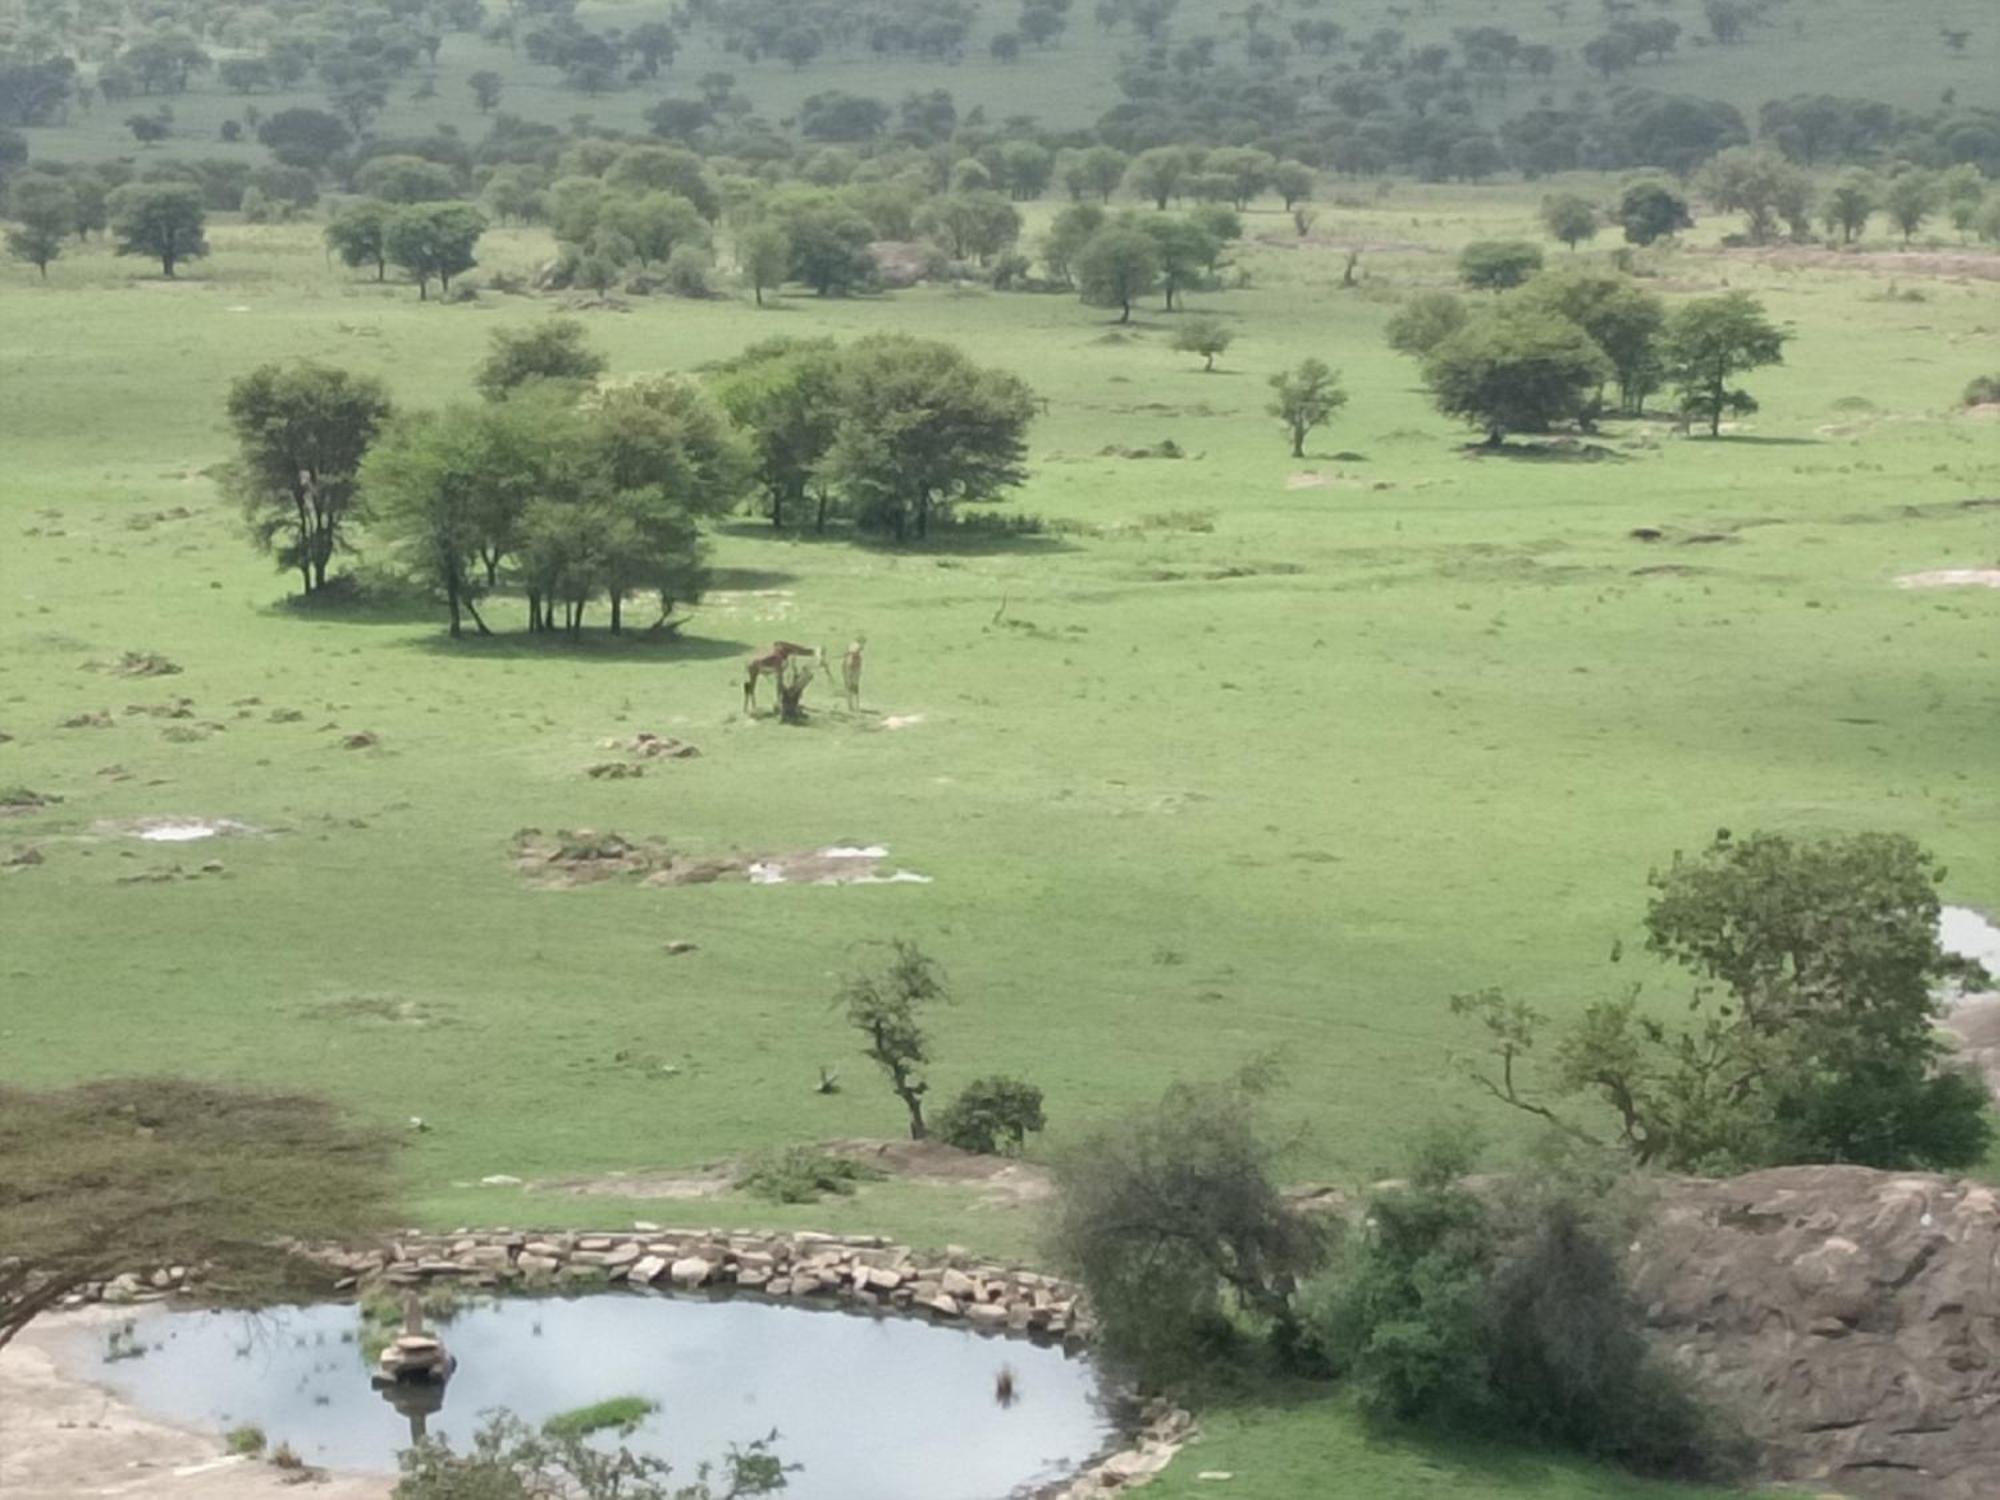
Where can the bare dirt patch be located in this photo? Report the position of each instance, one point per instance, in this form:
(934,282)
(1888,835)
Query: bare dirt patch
(648,746)
(1952,578)
(1969,264)
(66,1439)
(1002,1181)
(583,856)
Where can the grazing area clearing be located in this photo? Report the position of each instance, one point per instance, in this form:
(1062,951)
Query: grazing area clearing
(1292,688)
(1214,766)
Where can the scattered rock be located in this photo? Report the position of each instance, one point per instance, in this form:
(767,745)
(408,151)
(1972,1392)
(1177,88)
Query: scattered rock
(649,746)
(615,770)
(21,799)
(690,1271)
(680,946)
(98,719)
(360,740)
(142,664)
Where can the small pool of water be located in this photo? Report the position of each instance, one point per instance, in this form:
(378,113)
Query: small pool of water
(871,1408)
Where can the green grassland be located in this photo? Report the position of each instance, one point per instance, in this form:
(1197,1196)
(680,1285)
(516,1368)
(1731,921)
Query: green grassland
(1224,763)
(1863,48)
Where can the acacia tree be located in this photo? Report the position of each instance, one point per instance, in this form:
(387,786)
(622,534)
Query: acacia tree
(1811,1033)
(921,427)
(160,219)
(764,251)
(1652,211)
(433,241)
(785,395)
(1910,198)
(131,1174)
(1851,203)
(43,209)
(1207,337)
(551,350)
(886,1006)
(1516,370)
(301,432)
(1569,217)
(1308,396)
(1711,340)
(1116,267)
(1496,265)
(1621,317)
(358,235)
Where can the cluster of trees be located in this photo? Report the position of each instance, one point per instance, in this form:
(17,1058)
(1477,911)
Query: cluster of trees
(1502,1307)
(572,489)
(1810,1033)
(890,430)
(1552,346)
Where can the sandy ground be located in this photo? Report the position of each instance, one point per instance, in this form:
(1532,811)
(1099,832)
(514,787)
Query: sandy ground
(62,1438)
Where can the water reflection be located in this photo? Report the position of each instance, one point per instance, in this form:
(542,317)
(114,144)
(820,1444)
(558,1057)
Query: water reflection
(870,1408)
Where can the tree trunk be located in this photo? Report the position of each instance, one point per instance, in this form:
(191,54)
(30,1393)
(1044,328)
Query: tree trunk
(913,1098)
(167,264)
(451,603)
(757,290)
(1125,315)
(473,610)
(819,523)
(617,612)
(1298,441)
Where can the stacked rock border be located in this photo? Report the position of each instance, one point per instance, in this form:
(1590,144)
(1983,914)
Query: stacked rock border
(854,1273)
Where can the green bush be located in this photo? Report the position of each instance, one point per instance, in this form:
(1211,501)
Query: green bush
(1505,1313)
(799,1174)
(1984,390)
(993,1116)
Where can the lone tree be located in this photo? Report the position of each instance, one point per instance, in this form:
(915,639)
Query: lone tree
(1496,265)
(764,251)
(433,241)
(1570,218)
(132,1174)
(1851,204)
(921,427)
(301,432)
(551,350)
(1308,396)
(1910,198)
(160,219)
(1652,211)
(1811,1036)
(1172,1219)
(486,86)
(1711,340)
(43,209)
(1116,267)
(886,1006)
(1207,337)
(1516,370)
(358,235)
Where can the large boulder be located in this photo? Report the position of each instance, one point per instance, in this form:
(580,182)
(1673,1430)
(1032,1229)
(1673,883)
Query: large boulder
(1849,1318)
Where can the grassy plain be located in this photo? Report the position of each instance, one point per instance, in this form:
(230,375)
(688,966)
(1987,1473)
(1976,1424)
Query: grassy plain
(1188,796)
(1895,53)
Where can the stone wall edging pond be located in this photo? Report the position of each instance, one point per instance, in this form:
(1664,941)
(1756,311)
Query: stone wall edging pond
(861,1273)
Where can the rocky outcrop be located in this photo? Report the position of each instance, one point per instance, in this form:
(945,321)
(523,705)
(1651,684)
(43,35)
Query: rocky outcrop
(1849,1318)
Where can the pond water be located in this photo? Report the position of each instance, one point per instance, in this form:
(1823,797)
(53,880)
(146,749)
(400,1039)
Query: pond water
(871,1408)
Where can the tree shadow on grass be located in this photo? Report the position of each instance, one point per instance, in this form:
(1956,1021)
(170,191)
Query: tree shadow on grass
(951,539)
(1751,440)
(593,644)
(1548,453)
(744,580)
(345,602)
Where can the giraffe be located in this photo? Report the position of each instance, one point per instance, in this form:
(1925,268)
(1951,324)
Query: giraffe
(850,673)
(772,662)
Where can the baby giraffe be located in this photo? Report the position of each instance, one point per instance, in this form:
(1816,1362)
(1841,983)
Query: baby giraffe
(850,673)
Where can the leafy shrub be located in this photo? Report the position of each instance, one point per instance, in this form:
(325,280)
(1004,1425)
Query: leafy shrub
(507,1460)
(245,1441)
(1507,1314)
(1984,391)
(687,272)
(1425,321)
(1172,1220)
(993,1116)
(799,1174)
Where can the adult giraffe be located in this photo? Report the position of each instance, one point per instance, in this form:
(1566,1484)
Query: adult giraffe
(770,664)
